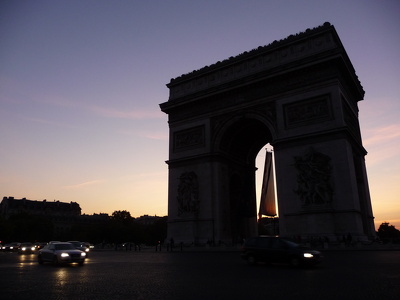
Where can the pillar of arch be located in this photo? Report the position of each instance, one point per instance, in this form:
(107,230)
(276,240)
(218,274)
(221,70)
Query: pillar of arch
(300,95)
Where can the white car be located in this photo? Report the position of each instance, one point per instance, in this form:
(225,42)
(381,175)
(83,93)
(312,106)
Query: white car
(59,253)
(80,246)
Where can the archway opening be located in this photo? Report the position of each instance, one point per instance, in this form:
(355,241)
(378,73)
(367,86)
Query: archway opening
(244,146)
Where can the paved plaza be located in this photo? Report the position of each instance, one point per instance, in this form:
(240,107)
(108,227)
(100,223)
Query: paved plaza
(200,275)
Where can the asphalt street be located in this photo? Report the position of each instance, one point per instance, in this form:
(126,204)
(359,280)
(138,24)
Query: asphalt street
(200,275)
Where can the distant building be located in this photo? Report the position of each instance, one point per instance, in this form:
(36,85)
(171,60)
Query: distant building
(10,206)
(63,215)
(94,219)
(148,220)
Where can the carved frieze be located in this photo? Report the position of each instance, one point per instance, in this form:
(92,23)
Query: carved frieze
(314,172)
(189,138)
(249,63)
(307,112)
(188,194)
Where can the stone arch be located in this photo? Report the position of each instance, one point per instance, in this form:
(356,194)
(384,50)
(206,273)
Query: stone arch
(299,94)
(240,139)
(247,132)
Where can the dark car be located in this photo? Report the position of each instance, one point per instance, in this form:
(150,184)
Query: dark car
(269,249)
(58,253)
(40,245)
(27,248)
(13,247)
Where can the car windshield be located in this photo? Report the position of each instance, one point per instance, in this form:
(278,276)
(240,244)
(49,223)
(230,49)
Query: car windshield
(76,244)
(291,244)
(64,246)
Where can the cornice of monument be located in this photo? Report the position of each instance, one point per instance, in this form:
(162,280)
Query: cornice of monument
(259,50)
(302,46)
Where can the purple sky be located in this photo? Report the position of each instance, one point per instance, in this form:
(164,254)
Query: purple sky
(81,81)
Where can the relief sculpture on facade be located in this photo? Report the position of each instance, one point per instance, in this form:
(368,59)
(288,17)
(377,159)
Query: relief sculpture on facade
(188,194)
(190,138)
(307,112)
(313,178)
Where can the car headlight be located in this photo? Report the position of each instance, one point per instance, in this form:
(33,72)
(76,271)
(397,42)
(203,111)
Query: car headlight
(308,255)
(64,254)
(23,248)
(83,254)
(87,250)
(33,248)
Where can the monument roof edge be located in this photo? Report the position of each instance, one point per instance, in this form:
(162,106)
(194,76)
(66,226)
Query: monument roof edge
(259,50)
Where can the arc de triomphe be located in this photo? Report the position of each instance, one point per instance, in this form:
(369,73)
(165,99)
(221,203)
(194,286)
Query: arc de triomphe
(300,95)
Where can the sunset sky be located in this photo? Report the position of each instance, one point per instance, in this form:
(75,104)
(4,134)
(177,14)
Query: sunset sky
(81,82)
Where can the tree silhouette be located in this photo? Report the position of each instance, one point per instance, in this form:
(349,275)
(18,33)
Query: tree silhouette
(120,227)
(386,231)
(121,216)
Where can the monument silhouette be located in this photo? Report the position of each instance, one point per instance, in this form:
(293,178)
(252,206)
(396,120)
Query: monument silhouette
(299,94)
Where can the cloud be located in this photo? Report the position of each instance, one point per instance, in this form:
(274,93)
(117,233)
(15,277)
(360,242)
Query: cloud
(152,135)
(83,184)
(48,122)
(108,112)
(383,134)
(382,143)
(136,114)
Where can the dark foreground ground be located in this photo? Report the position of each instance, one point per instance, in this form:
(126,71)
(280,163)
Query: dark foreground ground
(201,275)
